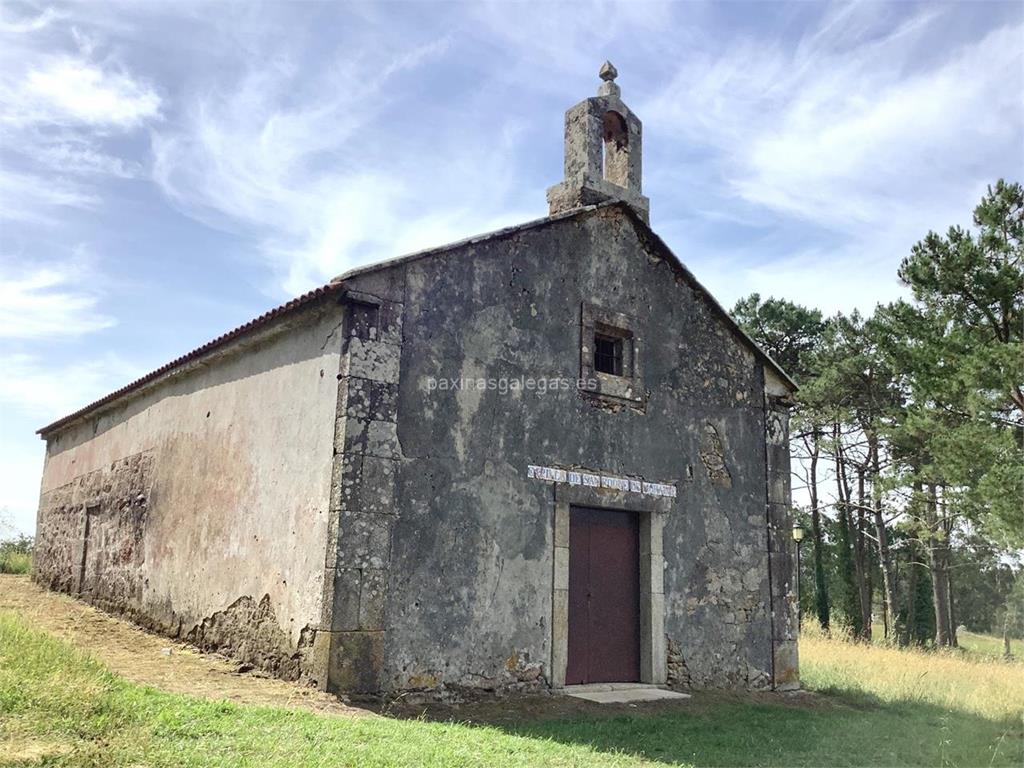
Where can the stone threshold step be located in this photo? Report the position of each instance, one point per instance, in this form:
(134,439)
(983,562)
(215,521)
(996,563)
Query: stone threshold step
(621,693)
(608,687)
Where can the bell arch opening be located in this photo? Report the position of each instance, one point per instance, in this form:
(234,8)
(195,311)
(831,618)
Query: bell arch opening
(615,155)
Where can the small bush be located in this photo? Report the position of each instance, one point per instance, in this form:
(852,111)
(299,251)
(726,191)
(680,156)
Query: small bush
(16,555)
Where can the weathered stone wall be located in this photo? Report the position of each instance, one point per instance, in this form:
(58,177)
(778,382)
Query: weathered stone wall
(470,559)
(199,506)
(90,540)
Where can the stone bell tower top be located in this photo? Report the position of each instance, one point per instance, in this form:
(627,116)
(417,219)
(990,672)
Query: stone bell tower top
(603,142)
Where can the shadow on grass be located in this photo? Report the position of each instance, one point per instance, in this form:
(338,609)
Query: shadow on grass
(715,729)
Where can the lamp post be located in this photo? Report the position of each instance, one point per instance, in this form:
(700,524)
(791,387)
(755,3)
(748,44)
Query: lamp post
(798,537)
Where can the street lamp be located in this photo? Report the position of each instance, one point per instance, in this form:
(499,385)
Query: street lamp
(798,537)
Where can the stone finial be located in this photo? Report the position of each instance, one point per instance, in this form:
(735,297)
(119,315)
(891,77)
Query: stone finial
(608,74)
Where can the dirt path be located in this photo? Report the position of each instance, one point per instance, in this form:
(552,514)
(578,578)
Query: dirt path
(153,660)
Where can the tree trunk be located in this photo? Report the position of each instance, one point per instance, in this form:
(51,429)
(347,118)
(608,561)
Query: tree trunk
(947,527)
(910,630)
(882,535)
(952,606)
(885,616)
(1006,636)
(820,585)
(939,567)
(845,560)
(860,561)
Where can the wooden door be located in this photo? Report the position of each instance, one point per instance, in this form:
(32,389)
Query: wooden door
(604,597)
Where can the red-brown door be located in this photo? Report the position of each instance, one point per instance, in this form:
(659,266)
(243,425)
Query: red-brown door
(604,597)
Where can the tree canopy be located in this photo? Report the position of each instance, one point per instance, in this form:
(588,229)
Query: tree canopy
(908,429)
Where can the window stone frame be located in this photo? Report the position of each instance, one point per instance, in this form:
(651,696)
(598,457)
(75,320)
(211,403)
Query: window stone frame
(629,387)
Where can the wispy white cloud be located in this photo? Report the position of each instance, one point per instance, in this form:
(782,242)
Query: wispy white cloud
(852,126)
(47,389)
(857,154)
(20,26)
(83,157)
(70,90)
(307,170)
(551,42)
(47,302)
(861,134)
(31,197)
(60,100)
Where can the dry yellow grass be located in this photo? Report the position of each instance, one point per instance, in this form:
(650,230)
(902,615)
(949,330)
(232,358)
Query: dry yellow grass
(952,680)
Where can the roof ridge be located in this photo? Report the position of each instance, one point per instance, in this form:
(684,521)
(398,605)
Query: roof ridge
(471,240)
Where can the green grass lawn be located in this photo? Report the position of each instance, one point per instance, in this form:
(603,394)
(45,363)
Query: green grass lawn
(59,708)
(12,561)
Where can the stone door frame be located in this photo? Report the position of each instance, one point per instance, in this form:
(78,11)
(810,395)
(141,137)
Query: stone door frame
(651,512)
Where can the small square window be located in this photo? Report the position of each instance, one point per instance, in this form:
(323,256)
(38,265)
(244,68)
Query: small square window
(608,354)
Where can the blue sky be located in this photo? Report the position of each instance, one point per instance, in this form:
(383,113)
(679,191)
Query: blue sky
(169,171)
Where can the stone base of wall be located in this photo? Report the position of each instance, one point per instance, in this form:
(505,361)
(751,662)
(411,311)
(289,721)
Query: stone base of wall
(246,631)
(456,693)
(90,536)
(249,631)
(730,673)
(90,545)
(787,666)
(518,677)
